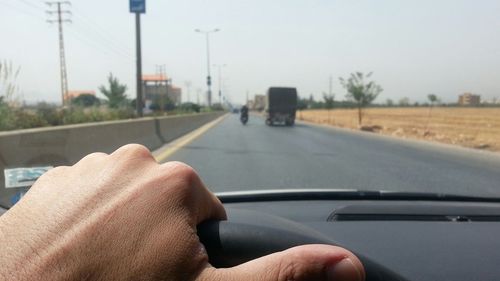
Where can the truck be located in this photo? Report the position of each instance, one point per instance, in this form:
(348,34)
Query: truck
(281,106)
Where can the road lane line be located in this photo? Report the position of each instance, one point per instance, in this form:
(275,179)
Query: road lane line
(167,150)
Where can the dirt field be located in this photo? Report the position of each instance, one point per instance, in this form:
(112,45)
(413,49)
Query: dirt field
(470,127)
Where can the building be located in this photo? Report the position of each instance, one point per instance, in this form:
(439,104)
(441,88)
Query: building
(158,86)
(469,99)
(259,102)
(251,104)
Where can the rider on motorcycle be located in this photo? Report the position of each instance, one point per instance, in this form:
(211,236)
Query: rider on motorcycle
(244,111)
(244,114)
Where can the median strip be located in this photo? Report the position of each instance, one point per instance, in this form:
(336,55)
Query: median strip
(167,150)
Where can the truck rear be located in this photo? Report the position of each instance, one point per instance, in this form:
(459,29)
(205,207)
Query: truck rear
(281,106)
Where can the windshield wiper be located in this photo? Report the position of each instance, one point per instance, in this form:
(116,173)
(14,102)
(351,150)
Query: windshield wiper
(343,194)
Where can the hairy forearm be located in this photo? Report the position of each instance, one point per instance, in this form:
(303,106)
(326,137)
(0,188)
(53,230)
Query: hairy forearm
(24,256)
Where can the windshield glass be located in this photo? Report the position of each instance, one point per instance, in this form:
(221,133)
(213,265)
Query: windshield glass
(258,95)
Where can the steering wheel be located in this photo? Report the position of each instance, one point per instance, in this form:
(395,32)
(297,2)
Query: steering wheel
(248,235)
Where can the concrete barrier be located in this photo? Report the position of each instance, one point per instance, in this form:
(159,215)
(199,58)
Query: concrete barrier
(65,145)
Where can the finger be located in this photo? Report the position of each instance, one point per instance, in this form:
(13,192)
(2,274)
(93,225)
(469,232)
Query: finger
(312,262)
(193,194)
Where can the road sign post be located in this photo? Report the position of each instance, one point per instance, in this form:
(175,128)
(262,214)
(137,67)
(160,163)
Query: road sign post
(138,7)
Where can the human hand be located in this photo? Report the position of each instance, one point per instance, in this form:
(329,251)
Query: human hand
(123,216)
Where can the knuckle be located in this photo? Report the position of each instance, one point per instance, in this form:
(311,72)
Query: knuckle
(185,177)
(61,170)
(54,173)
(94,156)
(135,151)
(181,170)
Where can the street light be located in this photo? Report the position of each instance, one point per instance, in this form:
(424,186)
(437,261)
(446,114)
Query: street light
(219,67)
(209,78)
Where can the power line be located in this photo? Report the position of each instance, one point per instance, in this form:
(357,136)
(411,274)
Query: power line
(19,10)
(61,13)
(92,30)
(103,33)
(91,35)
(32,5)
(93,44)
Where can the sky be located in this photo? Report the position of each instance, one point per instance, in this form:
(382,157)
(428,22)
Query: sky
(414,48)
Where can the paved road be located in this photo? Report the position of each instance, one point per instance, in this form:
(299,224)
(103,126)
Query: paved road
(233,157)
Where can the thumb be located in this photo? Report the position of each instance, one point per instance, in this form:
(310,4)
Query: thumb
(312,262)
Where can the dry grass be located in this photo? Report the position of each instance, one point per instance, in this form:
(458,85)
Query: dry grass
(469,127)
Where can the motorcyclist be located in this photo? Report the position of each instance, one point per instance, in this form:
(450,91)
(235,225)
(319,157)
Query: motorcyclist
(244,111)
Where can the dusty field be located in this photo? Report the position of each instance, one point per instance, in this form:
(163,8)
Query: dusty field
(470,127)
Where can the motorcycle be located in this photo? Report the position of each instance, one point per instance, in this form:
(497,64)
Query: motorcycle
(244,119)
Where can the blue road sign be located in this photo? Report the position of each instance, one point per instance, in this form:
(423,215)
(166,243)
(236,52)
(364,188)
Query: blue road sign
(138,6)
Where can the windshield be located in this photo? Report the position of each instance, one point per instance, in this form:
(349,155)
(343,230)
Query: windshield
(348,95)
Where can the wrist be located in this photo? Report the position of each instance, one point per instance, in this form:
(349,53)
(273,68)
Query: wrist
(32,259)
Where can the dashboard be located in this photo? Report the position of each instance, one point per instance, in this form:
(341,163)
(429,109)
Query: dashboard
(396,240)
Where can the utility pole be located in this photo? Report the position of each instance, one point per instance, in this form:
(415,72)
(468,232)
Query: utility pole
(61,12)
(161,72)
(209,77)
(198,91)
(188,85)
(330,86)
(138,7)
(219,67)
(139,98)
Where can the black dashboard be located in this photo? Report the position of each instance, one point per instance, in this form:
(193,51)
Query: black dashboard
(404,240)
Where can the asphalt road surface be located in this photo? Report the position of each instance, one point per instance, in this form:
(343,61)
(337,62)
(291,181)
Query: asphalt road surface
(233,157)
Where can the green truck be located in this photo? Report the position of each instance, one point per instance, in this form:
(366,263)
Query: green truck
(281,106)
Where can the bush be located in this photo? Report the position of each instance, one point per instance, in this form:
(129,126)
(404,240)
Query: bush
(217,107)
(16,118)
(189,107)
(45,115)
(86,100)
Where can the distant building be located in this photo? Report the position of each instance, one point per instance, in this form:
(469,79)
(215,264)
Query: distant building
(469,99)
(251,104)
(259,102)
(492,101)
(74,94)
(160,86)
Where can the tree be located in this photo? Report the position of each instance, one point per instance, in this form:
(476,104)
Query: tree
(404,102)
(115,93)
(217,107)
(86,100)
(8,89)
(390,103)
(190,107)
(361,92)
(433,100)
(329,103)
(302,104)
(162,103)
(8,77)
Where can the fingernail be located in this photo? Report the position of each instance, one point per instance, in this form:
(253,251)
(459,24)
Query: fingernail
(345,270)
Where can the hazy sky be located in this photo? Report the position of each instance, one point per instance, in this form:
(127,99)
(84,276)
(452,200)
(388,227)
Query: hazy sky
(413,47)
